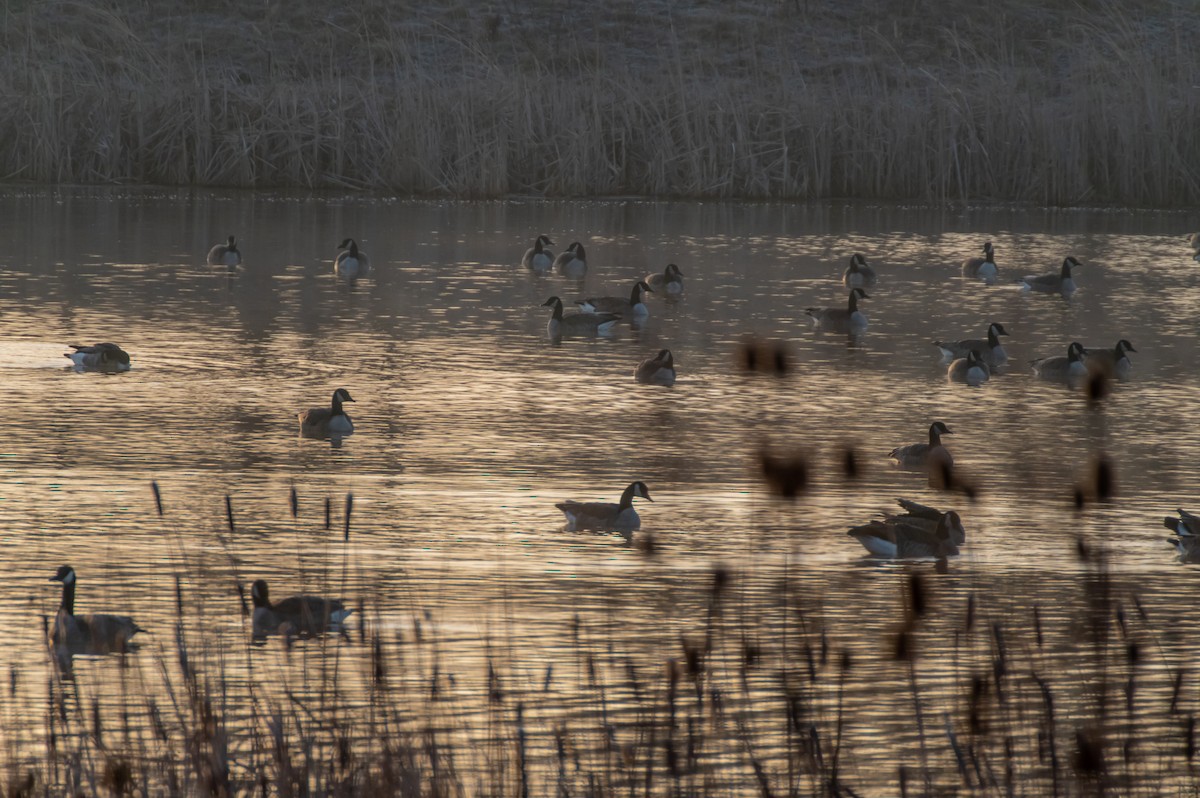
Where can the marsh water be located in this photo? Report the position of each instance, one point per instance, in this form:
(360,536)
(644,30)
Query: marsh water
(470,423)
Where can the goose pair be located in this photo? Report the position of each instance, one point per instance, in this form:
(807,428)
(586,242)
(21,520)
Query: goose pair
(605,516)
(1062,368)
(658,370)
(325,422)
(635,305)
(226,254)
(859,273)
(295,615)
(988,349)
(98,357)
(87,634)
(921,532)
(982,268)
(351,262)
(844,320)
(577,323)
(669,281)
(921,456)
(1061,283)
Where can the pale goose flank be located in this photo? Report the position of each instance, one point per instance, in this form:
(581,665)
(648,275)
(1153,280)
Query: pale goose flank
(325,422)
(635,305)
(982,268)
(897,538)
(604,516)
(351,262)
(87,634)
(1194,243)
(1112,362)
(577,323)
(1061,283)
(1062,367)
(226,255)
(295,615)
(668,282)
(970,370)
(573,262)
(658,370)
(859,273)
(846,320)
(98,357)
(988,349)
(919,456)
(538,259)
(1187,535)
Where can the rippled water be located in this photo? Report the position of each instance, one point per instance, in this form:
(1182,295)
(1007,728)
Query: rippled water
(471,424)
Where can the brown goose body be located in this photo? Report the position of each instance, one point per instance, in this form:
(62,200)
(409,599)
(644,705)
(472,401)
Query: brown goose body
(324,422)
(98,633)
(226,254)
(294,615)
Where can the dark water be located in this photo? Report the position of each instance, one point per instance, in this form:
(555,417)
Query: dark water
(471,424)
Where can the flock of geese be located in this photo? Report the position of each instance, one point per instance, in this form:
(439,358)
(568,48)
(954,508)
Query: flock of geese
(919,532)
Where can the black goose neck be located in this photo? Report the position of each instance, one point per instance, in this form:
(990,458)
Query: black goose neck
(68,598)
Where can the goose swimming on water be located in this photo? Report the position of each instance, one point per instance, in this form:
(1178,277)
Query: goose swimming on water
(919,455)
(859,273)
(988,349)
(983,268)
(1062,367)
(572,263)
(294,615)
(87,634)
(635,305)
(577,323)
(1112,362)
(970,369)
(669,281)
(605,516)
(902,538)
(1060,283)
(351,262)
(226,255)
(538,259)
(658,370)
(847,320)
(98,357)
(323,422)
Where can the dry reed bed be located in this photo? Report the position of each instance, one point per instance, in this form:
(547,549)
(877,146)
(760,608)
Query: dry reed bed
(756,694)
(1094,103)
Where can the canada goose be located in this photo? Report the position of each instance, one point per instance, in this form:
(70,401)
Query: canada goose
(226,255)
(923,515)
(604,516)
(847,320)
(988,349)
(1062,367)
(98,357)
(919,455)
(1112,362)
(87,634)
(538,259)
(1187,535)
(900,539)
(634,305)
(970,369)
(577,323)
(669,281)
(658,370)
(983,268)
(859,273)
(294,615)
(573,262)
(1061,283)
(350,262)
(1194,243)
(322,422)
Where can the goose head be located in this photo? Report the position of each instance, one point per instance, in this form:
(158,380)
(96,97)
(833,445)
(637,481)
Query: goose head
(64,574)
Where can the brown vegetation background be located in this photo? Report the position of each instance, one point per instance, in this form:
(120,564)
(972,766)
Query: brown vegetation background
(1088,102)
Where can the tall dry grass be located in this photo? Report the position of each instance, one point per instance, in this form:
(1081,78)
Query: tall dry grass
(1090,102)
